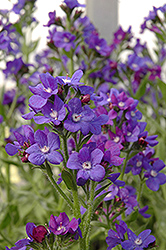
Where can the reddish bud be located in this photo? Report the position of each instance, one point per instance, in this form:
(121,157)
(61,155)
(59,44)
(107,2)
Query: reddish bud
(39,233)
(85,98)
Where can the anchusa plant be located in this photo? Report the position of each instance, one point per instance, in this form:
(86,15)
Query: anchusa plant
(78,121)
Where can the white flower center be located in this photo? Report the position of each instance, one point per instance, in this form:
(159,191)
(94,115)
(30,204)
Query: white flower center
(121,104)
(54,114)
(49,90)
(138,241)
(132,113)
(86,165)
(134,65)
(109,99)
(45,149)
(76,117)
(128,133)
(153,173)
(116,139)
(66,80)
(97,47)
(66,40)
(108,195)
(119,37)
(138,164)
(61,227)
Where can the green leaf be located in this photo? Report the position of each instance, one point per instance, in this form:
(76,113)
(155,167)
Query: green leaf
(6,221)
(102,188)
(68,179)
(162,86)
(99,224)
(99,199)
(18,27)
(132,217)
(54,58)
(142,87)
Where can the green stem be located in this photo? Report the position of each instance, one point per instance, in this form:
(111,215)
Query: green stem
(8,182)
(77,212)
(12,107)
(65,148)
(140,190)
(56,186)
(124,166)
(86,233)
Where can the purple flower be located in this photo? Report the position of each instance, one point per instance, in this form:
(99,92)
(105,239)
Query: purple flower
(116,238)
(52,112)
(61,225)
(100,45)
(143,210)
(73,3)
(45,148)
(136,163)
(116,139)
(113,177)
(64,40)
(129,199)
(18,6)
(119,35)
(155,179)
(88,165)
(4,40)
(83,118)
(139,242)
(52,16)
(24,140)
(43,91)
(74,81)
(1,119)
(121,100)
(14,67)
(130,133)
(9,97)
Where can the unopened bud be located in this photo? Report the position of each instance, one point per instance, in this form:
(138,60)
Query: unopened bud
(85,98)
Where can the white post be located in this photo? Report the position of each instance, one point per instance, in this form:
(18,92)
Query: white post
(104,15)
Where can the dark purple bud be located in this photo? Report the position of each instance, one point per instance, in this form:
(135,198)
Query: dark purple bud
(85,98)
(39,233)
(142,142)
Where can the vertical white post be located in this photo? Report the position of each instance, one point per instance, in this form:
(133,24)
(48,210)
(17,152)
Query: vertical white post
(104,15)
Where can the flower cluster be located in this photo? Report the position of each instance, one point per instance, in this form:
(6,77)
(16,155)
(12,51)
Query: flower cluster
(86,130)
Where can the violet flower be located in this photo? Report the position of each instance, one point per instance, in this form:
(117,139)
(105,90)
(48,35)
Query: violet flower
(45,148)
(155,179)
(24,140)
(61,225)
(88,165)
(116,238)
(43,91)
(83,118)
(139,242)
(64,40)
(74,81)
(73,4)
(52,112)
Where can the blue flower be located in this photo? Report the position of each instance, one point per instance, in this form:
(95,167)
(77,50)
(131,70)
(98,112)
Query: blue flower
(139,242)
(88,165)
(115,238)
(45,148)
(155,179)
(83,118)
